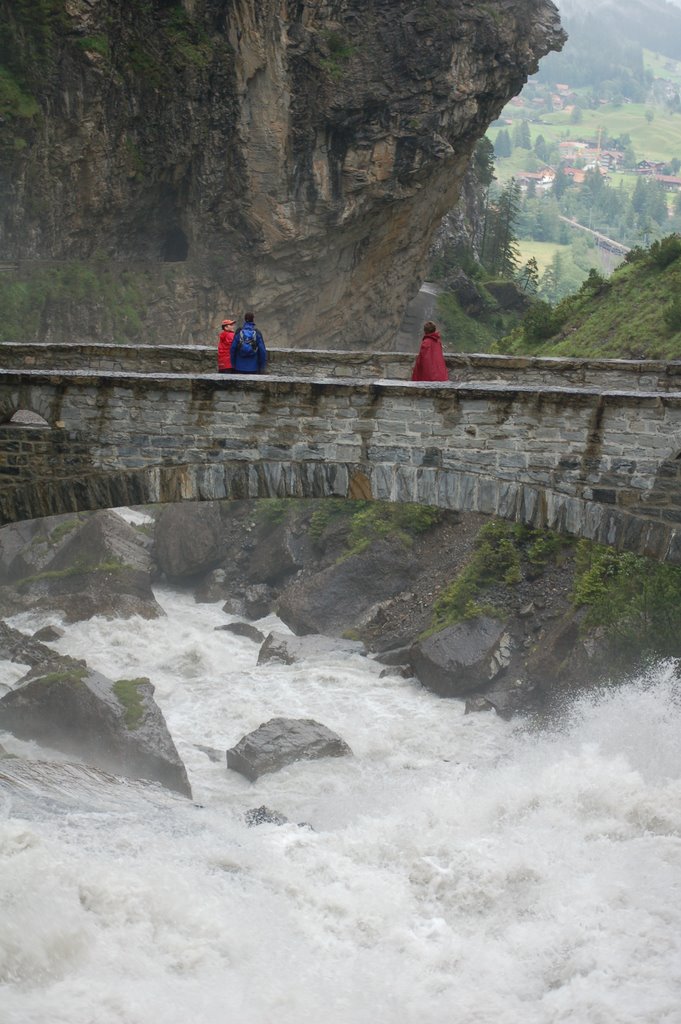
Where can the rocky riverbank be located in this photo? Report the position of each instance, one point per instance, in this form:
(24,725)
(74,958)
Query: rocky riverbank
(474,609)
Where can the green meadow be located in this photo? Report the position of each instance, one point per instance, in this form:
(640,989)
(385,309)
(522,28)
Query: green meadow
(662,67)
(543,252)
(659,139)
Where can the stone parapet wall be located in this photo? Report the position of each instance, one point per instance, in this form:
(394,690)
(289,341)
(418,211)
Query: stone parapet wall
(600,465)
(532,371)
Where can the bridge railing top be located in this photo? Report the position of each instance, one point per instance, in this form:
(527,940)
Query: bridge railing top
(103,357)
(281,383)
(337,355)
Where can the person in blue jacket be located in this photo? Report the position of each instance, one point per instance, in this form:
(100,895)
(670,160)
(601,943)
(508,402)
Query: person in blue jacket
(248,353)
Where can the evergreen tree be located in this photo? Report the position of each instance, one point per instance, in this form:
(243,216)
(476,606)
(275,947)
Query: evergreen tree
(560,183)
(541,149)
(502,145)
(500,245)
(528,276)
(638,198)
(525,140)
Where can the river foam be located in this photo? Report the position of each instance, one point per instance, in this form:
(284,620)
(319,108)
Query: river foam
(456,868)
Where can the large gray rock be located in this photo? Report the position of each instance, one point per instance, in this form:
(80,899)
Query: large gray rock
(280,742)
(242,629)
(26,650)
(290,649)
(53,787)
(25,548)
(115,726)
(336,599)
(188,539)
(461,658)
(510,695)
(279,553)
(102,566)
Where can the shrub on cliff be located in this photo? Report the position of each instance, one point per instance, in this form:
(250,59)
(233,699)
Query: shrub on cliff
(635,600)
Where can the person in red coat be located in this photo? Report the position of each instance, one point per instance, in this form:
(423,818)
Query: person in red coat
(224,345)
(430,362)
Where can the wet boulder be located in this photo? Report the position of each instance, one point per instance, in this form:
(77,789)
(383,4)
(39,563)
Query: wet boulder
(289,649)
(242,629)
(25,650)
(337,598)
(258,600)
(512,696)
(188,539)
(281,742)
(113,725)
(264,815)
(48,634)
(27,547)
(278,554)
(462,658)
(102,567)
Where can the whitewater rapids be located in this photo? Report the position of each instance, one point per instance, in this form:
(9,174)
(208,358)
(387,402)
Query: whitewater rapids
(457,869)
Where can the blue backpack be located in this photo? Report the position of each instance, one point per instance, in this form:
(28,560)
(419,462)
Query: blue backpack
(248,341)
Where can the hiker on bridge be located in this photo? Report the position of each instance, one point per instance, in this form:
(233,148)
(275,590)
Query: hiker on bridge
(248,352)
(430,362)
(224,345)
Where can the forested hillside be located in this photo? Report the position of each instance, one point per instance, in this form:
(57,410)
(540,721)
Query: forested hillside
(636,313)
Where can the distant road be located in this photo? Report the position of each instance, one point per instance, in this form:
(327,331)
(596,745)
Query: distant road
(421,308)
(602,241)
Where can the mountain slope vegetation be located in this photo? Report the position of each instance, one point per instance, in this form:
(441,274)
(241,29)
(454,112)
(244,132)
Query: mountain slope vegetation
(635,314)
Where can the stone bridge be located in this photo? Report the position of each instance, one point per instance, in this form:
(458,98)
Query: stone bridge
(586,448)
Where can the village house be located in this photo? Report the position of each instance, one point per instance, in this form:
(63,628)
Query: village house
(649,167)
(669,182)
(543,179)
(611,158)
(576,175)
(571,149)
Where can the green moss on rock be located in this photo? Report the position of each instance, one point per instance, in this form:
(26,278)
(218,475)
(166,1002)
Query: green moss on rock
(128,693)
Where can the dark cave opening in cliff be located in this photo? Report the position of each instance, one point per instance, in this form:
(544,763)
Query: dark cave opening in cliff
(175,246)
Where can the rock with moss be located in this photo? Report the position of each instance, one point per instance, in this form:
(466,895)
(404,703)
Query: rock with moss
(100,565)
(27,548)
(116,726)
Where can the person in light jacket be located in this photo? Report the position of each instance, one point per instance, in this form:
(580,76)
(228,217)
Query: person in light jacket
(430,362)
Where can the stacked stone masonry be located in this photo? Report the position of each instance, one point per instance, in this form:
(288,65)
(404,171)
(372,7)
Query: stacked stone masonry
(613,374)
(595,463)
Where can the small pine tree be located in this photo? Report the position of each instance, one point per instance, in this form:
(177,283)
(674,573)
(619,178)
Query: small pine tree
(502,145)
(528,277)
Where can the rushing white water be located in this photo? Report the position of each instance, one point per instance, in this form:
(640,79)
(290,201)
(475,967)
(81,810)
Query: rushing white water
(459,869)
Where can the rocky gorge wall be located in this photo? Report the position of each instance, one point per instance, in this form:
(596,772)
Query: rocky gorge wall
(294,157)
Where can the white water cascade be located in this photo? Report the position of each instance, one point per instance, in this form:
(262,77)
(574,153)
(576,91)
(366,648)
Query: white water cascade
(458,869)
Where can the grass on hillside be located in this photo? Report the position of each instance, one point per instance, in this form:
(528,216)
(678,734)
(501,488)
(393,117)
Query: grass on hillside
(463,333)
(662,67)
(625,320)
(543,252)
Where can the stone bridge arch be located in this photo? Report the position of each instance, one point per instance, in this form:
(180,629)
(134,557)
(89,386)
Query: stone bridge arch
(597,464)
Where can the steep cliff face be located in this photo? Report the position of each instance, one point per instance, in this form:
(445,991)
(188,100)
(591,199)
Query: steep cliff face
(295,157)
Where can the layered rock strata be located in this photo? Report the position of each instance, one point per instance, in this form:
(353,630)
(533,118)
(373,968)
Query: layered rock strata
(202,157)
